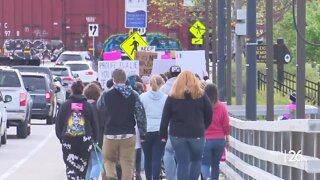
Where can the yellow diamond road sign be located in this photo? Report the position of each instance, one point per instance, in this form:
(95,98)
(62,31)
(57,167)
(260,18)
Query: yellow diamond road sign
(130,45)
(198,29)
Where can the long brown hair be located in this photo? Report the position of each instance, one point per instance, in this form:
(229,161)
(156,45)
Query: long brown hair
(186,82)
(212,92)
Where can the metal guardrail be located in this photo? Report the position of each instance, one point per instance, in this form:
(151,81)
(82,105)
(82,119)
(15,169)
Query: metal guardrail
(274,150)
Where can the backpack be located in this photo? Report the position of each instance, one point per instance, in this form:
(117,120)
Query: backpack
(76,121)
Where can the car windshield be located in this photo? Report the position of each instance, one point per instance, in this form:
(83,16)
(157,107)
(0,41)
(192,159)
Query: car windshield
(37,82)
(9,79)
(59,71)
(69,57)
(42,70)
(78,67)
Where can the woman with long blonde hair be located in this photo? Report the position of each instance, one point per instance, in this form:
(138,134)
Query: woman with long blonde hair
(188,113)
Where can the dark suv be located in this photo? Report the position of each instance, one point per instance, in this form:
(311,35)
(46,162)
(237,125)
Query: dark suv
(43,105)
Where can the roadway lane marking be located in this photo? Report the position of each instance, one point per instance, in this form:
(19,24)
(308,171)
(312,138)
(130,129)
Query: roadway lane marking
(16,166)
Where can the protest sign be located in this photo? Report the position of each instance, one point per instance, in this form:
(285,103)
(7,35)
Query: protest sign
(112,56)
(106,68)
(145,62)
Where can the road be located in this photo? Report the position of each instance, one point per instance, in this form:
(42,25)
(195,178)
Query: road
(36,158)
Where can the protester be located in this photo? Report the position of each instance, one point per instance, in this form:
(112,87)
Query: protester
(123,110)
(188,112)
(92,92)
(153,148)
(217,135)
(169,157)
(76,128)
(291,107)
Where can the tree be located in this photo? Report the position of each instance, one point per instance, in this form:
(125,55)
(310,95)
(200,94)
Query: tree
(286,30)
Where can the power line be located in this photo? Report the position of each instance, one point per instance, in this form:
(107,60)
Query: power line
(297,29)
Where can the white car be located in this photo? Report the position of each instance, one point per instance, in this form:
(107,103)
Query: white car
(64,75)
(84,70)
(3,118)
(19,109)
(74,56)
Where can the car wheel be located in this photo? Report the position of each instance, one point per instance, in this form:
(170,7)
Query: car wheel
(22,129)
(4,138)
(50,120)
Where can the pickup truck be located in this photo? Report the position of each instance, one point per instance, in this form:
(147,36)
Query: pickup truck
(19,109)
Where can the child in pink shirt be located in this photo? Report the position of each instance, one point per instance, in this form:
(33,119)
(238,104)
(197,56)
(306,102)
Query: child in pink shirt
(217,135)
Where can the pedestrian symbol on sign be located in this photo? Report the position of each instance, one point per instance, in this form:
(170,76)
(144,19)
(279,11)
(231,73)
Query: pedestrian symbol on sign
(135,45)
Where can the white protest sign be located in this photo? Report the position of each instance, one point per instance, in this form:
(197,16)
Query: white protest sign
(147,48)
(192,60)
(161,66)
(106,68)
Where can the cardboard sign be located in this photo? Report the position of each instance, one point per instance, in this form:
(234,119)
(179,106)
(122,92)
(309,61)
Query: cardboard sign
(106,68)
(145,62)
(112,56)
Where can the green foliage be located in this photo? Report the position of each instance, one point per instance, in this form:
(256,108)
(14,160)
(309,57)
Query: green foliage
(286,30)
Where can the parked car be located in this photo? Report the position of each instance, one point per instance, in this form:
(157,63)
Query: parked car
(42,95)
(3,118)
(74,56)
(66,77)
(84,70)
(19,108)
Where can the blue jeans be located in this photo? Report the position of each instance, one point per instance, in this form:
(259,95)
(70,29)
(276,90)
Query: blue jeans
(169,160)
(188,152)
(213,151)
(153,150)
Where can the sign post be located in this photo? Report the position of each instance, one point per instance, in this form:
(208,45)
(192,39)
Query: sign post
(93,31)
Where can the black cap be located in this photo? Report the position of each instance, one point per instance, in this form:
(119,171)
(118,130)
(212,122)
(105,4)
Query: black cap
(175,70)
(293,97)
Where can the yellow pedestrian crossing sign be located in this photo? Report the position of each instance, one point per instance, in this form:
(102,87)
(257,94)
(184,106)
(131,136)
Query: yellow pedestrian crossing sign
(198,29)
(130,45)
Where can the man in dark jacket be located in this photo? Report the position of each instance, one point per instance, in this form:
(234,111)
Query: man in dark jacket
(123,110)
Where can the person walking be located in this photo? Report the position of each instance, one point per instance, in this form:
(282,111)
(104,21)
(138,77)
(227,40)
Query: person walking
(92,92)
(153,147)
(123,110)
(76,128)
(217,135)
(169,160)
(188,112)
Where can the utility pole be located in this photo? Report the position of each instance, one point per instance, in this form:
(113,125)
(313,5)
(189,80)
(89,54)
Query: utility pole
(229,57)
(207,40)
(221,52)
(251,95)
(238,57)
(301,59)
(270,78)
(214,41)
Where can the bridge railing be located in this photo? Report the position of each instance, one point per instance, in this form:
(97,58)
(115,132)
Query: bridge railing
(274,150)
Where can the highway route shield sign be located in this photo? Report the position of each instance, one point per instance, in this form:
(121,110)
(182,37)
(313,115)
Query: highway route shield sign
(130,45)
(198,29)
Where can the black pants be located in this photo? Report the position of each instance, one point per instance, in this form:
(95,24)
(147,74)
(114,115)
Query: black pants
(76,153)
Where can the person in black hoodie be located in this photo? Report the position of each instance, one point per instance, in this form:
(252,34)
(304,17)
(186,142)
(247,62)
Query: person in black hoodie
(123,111)
(188,112)
(76,129)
